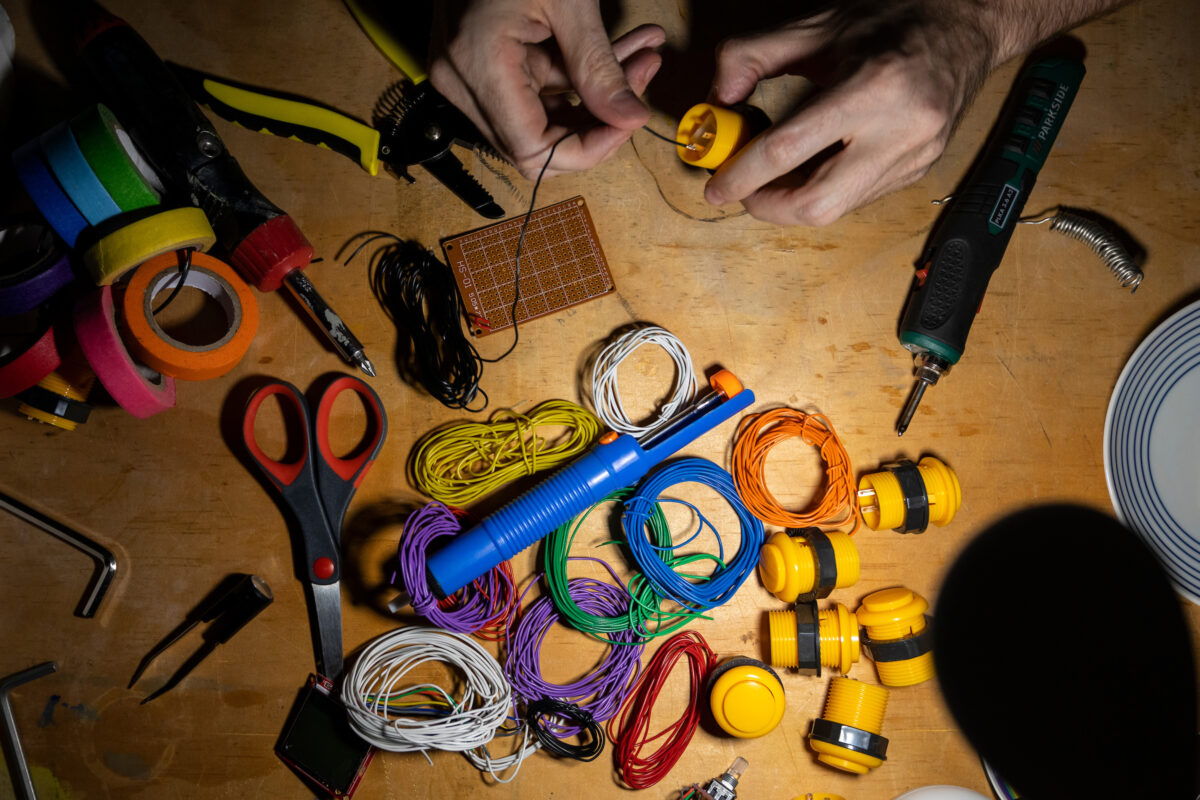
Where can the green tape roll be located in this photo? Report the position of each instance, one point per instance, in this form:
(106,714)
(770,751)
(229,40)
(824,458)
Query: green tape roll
(112,156)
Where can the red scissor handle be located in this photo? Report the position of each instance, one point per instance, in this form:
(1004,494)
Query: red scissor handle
(337,478)
(351,469)
(281,473)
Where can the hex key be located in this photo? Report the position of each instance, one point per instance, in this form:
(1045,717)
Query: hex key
(13,752)
(105,560)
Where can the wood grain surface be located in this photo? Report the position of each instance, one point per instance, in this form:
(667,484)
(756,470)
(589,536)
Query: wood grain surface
(805,317)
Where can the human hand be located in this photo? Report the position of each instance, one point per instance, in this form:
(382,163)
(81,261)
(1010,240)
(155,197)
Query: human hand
(510,65)
(892,91)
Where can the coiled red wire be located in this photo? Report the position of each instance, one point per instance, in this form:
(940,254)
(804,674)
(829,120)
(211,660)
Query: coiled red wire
(630,729)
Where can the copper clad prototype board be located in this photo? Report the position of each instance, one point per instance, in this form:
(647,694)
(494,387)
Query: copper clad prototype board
(562,265)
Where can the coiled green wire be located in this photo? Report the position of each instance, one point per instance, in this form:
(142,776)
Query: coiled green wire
(646,614)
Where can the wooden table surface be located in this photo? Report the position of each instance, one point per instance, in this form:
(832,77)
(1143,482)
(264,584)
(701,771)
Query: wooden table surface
(807,318)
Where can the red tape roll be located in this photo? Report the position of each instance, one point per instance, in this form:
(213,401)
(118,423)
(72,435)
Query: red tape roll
(25,369)
(125,381)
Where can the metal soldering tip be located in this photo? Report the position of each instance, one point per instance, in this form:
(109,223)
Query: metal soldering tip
(910,408)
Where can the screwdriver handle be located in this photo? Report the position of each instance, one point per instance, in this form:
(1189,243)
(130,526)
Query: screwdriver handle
(969,241)
(263,243)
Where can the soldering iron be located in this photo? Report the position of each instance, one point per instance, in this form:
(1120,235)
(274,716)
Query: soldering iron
(970,239)
(615,462)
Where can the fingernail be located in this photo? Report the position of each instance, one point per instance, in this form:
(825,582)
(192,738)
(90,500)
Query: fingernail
(627,103)
(713,196)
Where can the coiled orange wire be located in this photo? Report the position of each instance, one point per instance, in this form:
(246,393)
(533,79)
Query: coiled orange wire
(758,433)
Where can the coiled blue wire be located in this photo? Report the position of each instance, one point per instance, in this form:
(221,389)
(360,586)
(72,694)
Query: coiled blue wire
(657,564)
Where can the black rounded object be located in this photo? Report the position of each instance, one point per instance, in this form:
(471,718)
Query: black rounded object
(1064,655)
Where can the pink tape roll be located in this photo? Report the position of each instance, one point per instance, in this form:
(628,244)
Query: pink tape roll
(96,328)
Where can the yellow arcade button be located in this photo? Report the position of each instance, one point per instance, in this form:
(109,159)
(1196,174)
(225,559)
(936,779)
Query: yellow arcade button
(780,566)
(747,698)
(895,605)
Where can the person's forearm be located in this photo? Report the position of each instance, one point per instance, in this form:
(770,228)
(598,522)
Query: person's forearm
(1017,26)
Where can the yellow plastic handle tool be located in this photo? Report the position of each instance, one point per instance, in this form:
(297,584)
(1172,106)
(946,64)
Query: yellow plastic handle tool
(267,113)
(388,44)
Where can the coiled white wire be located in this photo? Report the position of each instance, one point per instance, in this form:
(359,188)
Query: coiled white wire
(379,674)
(606,394)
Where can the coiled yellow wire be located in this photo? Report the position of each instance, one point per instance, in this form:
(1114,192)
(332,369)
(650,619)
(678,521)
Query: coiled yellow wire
(467,460)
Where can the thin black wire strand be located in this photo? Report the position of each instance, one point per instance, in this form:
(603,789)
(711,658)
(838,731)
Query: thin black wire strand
(418,293)
(520,242)
(593,744)
(668,139)
(184,268)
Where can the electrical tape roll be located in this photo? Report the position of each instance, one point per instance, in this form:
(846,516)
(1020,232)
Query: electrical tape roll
(26,367)
(124,380)
(33,267)
(158,349)
(118,165)
(76,176)
(47,195)
(140,241)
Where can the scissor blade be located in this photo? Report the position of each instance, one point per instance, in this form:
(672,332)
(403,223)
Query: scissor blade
(454,176)
(327,606)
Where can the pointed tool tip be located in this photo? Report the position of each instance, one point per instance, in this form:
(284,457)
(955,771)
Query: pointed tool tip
(366,366)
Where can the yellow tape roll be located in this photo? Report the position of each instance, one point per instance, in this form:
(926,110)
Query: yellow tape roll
(140,241)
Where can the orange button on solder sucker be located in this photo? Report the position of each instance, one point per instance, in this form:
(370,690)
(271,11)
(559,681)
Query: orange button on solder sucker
(807,639)
(906,497)
(746,697)
(708,135)
(846,736)
(898,636)
(808,564)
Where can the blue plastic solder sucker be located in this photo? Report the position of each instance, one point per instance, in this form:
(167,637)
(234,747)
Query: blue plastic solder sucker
(616,461)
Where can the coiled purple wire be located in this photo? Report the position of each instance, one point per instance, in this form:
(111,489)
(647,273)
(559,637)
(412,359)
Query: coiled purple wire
(602,690)
(474,608)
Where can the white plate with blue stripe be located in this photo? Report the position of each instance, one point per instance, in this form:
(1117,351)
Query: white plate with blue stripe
(1152,447)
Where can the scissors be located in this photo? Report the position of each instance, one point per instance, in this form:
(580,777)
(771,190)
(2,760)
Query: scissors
(317,486)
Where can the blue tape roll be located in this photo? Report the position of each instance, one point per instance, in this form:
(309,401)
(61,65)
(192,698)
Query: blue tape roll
(75,175)
(49,197)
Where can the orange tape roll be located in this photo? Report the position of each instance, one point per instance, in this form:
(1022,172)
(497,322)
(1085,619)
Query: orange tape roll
(155,348)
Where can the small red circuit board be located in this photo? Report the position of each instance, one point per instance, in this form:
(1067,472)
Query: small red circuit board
(562,265)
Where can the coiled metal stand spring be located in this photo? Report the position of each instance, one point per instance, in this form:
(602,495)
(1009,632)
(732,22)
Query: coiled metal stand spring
(1102,241)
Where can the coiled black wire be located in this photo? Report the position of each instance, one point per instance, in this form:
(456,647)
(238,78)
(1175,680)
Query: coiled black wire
(593,735)
(419,294)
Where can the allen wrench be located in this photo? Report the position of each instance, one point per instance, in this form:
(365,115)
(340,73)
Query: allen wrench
(14,754)
(105,560)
